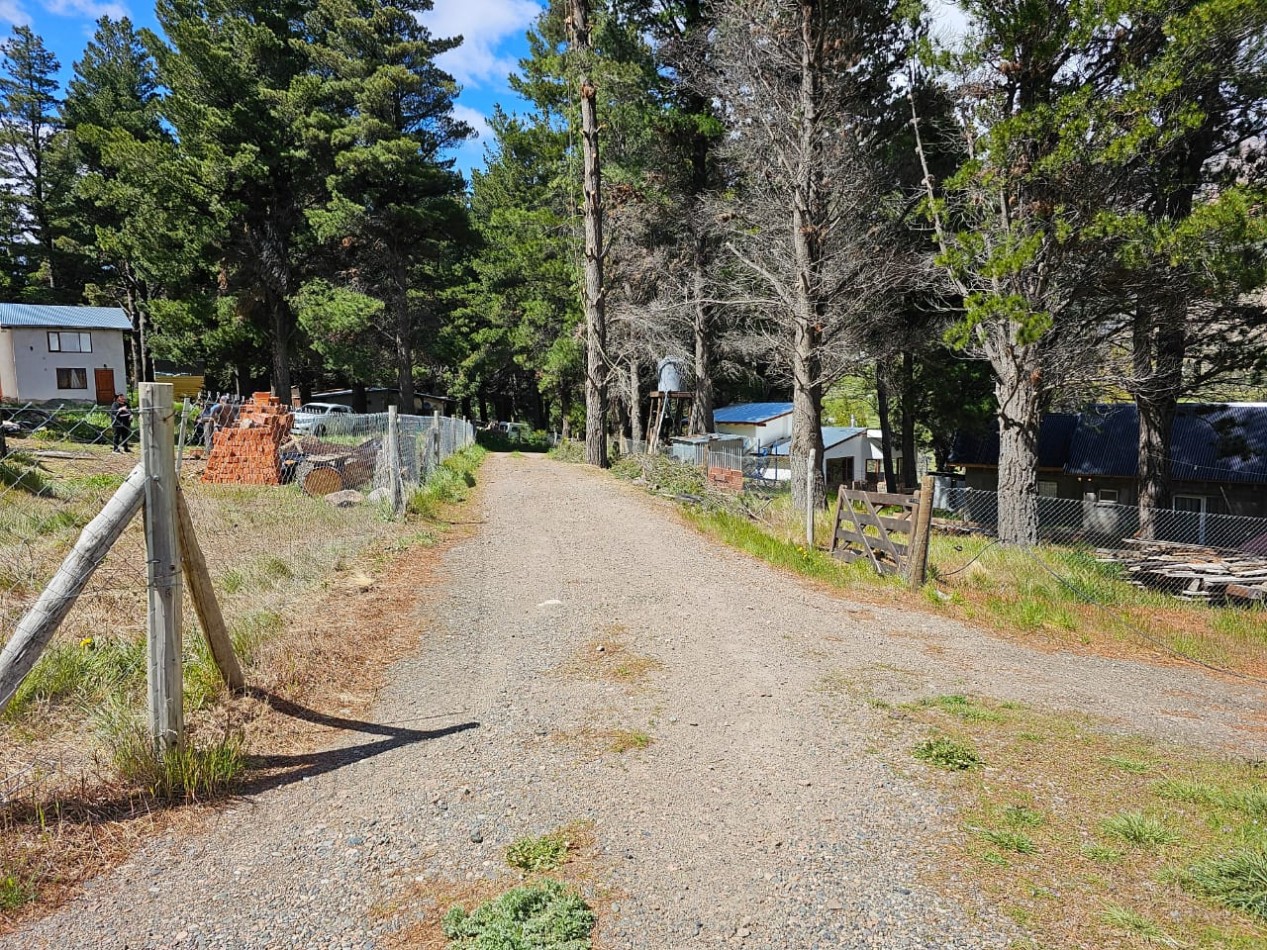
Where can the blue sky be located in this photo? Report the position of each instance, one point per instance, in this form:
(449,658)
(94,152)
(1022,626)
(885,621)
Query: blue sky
(493,31)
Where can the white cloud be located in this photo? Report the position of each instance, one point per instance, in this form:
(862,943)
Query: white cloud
(92,9)
(11,12)
(474,118)
(470,154)
(483,25)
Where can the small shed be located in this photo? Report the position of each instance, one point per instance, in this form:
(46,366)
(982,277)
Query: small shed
(74,354)
(760,424)
(695,449)
(845,451)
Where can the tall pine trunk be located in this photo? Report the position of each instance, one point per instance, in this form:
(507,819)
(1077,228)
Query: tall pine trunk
(807,318)
(596,376)
(635,401)
(1158,351)
(910,461)
(1018,389)
(702,398)
(885,411)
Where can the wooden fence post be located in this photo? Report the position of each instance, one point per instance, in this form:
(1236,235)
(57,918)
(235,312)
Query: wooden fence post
(917,566)
(206,606)
(163,574)
(809,501)
(36,628)
(395,484)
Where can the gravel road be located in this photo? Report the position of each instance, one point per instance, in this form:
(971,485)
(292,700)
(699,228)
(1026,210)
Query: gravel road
(757,817)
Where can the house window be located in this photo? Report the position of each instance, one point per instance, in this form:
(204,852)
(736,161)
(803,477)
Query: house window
(64,342)
(1107,495)
(1048,490)
(72,379)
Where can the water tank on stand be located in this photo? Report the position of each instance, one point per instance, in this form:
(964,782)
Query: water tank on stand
(670,370)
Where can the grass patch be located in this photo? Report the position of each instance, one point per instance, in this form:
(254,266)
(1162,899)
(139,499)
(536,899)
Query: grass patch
(1124,919)
(449,484)
(15,892)
(545,915)
(80,674)
(181,775)
(961,707)
(1237,880)
(947,753)
(628,740)
(548,852)
(1138,829)
(613,660)
(1008,840)
(1173,835)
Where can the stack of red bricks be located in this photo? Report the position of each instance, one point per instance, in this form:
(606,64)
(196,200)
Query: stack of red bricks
(249,453)
(727,479)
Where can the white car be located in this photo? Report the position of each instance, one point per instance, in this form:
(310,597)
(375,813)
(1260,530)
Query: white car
(318,418)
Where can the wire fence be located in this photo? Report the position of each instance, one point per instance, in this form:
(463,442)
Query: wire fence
(266,544)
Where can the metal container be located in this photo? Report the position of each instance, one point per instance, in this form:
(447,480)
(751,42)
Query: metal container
(671,371)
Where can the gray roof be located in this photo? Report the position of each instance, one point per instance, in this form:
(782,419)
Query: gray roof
(72,318)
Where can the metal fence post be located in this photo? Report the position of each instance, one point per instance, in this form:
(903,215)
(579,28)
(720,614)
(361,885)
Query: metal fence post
(163,574)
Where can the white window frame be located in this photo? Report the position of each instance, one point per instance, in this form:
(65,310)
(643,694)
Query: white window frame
(1054,487)
(1108,496)
(1202,513)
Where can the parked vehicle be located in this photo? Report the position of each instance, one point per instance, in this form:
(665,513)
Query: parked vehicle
(318,418)
(515,431)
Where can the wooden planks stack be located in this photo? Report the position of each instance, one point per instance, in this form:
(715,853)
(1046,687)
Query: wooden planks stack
(1192,572)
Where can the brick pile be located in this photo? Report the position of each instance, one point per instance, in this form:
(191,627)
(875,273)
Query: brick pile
(249,452)
(727,479)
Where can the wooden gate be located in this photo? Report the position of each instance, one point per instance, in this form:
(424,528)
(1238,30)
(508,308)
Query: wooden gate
(866,527)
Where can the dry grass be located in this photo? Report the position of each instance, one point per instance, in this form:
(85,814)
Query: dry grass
(610,658)
(1063,822)
(315,574)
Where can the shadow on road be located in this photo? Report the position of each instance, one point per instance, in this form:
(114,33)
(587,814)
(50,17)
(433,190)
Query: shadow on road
(275,771)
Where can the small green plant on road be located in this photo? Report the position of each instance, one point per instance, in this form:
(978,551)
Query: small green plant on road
(947,753)
(545,915)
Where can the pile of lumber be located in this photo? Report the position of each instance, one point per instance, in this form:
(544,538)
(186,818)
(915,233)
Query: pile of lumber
(1191,571)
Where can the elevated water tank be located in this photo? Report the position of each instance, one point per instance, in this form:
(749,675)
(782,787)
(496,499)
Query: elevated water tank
(670,370)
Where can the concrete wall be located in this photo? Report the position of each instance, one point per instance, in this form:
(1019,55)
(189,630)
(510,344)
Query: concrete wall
(28,371)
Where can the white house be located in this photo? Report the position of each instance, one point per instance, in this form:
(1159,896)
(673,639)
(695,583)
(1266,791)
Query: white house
(761,424)
(73,354)
(845,454)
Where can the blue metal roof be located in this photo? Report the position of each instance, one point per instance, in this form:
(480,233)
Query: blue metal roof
(72,318)
(1210,443)
(832,437)
(751,413)
(1054,435)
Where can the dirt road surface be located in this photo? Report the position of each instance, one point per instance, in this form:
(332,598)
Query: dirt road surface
(759,815)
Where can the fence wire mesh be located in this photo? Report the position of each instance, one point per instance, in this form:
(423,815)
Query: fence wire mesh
(266,546)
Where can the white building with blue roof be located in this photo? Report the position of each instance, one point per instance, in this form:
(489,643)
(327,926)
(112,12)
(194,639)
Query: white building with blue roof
(62,354)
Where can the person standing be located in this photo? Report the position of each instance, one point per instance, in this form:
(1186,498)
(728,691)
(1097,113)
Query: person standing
(121,423)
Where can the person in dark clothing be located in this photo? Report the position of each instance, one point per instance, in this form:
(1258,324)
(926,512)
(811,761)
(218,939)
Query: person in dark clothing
(121,423)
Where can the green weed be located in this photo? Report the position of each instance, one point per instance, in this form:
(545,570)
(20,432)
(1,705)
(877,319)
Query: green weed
(1122,918)
(1021,816)
(534,855)
(946,753)
(626,740)
(1009,840)
(1138,829)
(189,774)
(1134,766)
(1191,793)
(1101,853)
(15,892)
(81,672)
(963,708)
(541,916)
(232,581)
(1237,880)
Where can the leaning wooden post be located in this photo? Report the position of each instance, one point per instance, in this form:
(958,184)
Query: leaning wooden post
(391,445)
(36,628)
(163,575)
(206,606)
(917,567)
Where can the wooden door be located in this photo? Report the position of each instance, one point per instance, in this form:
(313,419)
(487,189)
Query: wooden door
(105,386)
